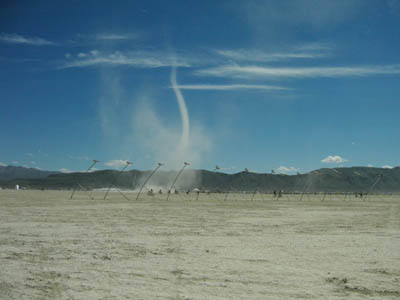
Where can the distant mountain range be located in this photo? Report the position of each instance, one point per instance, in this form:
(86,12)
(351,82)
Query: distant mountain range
(13,172)
(354,179)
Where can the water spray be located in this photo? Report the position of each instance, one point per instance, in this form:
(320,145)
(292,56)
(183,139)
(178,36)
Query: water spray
(159,165)
(88,169)
(185,164)
(128,163)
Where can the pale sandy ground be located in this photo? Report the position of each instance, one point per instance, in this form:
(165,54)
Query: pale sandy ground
(52,247)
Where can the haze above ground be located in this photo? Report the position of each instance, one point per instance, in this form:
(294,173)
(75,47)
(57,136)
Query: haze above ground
(291,86)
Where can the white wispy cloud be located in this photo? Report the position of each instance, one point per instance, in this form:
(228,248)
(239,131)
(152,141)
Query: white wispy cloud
(236,71)
(228,87)
(116,163)
(387,167)
(65,170)
(316,46)
(333,159)
(285,170)
(117,58)
(19,39)
(3,164)
(115,36)
(261,56)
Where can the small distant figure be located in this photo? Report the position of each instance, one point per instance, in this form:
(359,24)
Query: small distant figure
(17,187)
(274,193)
(176,192)
(187,192)
(160,191)
(150,192)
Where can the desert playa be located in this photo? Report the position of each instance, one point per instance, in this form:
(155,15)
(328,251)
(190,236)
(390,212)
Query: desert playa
(52,247)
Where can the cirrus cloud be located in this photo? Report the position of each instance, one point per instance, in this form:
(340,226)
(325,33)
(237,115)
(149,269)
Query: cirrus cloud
(115,36)
(19,39)
(139,59)
(260,56)
(251,72)
(230,87)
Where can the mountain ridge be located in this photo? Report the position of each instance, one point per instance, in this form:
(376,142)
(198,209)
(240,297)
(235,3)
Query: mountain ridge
(14,172)
(351,179)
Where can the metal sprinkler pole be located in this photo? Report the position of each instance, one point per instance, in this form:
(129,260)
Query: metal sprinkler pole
(185,164)
(373,185)
(304,191)
(243,179)
(226,195)
(307,186)
(252,197)
(358,174)
(119,174)
(338,174)
(323,198)
(148,178)
(88,169)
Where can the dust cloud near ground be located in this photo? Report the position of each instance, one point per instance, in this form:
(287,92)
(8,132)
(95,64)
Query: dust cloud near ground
(215,247)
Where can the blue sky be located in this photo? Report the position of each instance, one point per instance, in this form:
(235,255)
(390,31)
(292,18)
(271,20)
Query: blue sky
(289,86)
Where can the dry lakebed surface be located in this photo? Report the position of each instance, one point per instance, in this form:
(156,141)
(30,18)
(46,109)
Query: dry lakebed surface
(54,247)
